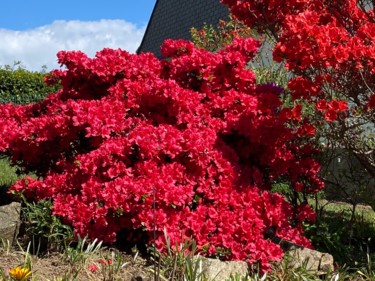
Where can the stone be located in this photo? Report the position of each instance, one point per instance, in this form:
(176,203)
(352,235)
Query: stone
(141,276)
(10,222)
(214,269)
(299,256)
(312,260)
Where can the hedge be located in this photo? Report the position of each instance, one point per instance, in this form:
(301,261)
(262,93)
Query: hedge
(21,86)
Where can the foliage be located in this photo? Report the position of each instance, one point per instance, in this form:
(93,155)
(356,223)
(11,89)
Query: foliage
(77,256)
(344,231)
(78,259)
(89,261)
(20,86)
(329,47)
(108,265)
(178,262)
(21,272)
(213,38)
(191,144)
(8,176)
(216,38)
(45,231)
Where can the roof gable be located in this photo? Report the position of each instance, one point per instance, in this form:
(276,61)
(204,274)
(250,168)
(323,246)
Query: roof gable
(173,19)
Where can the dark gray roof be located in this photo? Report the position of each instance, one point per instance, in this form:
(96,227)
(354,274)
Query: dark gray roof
(173,19)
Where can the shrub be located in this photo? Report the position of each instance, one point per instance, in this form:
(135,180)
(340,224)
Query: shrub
(20,86)
(190,144)
(43,229)
(8,176)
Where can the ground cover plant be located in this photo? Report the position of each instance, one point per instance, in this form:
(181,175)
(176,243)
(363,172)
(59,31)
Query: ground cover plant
(139,148)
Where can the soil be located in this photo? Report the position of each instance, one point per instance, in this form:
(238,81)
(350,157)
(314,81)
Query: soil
(54,266)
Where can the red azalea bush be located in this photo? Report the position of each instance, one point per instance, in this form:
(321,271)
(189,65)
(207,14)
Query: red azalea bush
(191,141)
(329,46)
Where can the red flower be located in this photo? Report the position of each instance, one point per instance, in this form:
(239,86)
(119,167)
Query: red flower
(330,115)
(371,102)
(93,267)
(321,105)
(105,261)
(189,145)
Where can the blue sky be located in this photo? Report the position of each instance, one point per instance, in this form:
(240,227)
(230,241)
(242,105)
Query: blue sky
(32,32)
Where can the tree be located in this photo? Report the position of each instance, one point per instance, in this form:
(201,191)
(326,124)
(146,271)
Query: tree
(329,47)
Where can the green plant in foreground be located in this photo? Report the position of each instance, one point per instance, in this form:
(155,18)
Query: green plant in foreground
(20,272)
(343,233)
(77,256)
(107,266)
(179,262)
(45,230)
(255,277)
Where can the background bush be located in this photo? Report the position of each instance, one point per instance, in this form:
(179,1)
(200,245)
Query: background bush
(21,86)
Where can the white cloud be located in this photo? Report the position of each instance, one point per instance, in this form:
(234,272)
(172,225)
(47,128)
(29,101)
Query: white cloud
(37,47)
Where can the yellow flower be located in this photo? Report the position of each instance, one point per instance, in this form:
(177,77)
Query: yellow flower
(20,273)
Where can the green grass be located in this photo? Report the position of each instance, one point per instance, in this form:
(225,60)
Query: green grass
(349,236)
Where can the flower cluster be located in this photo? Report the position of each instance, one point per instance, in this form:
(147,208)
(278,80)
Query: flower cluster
(190,145)
(329,47)
(326,43)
